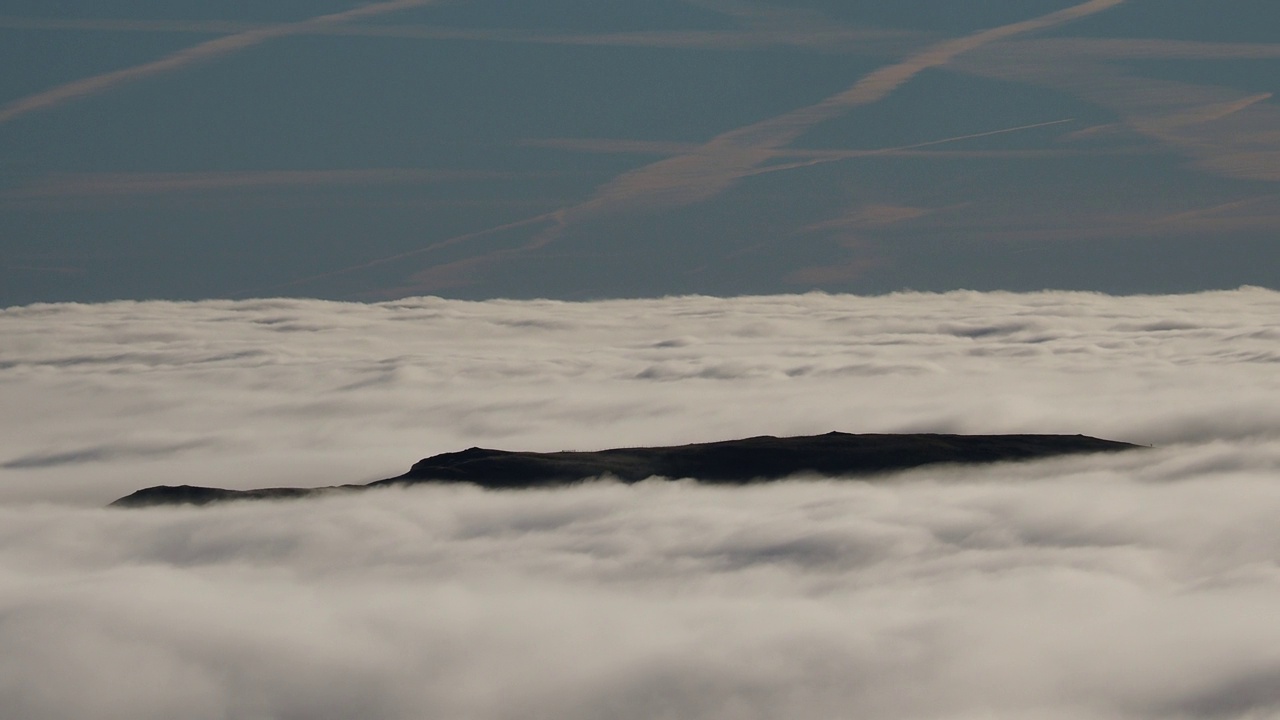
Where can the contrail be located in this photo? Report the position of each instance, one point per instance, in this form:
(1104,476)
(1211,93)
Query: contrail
(557,216)
(405,255)
(854,155)
(146,183)
(669,148)
(197,53)
(1217,112)
(722,161)
(717,164)
(958,138)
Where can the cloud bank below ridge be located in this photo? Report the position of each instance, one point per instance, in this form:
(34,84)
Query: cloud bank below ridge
(1102,587)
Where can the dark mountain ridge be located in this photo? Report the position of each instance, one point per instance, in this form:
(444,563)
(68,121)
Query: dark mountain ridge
(743,461)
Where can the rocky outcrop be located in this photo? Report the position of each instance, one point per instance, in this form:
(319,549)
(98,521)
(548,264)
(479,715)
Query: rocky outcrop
(743,461)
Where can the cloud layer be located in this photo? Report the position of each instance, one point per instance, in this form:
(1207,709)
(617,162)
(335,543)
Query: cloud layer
(247,393)
(1126,586)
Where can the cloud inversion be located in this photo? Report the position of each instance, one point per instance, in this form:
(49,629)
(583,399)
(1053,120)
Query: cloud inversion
(1132,586)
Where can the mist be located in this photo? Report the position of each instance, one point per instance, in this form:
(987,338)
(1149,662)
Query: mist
(1121,586)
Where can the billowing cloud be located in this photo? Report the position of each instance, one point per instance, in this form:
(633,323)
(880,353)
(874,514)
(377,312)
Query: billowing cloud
(1128,586)
(313,392)
(1070,591)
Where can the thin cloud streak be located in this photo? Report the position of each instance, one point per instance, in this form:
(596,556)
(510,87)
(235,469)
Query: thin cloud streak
(1143,49)
(662,147)
(98,454)
(1227,131)
(216,27)
(111,184)
(849,155)
(203,52)
(721,162)
(378,262)
(805,26)
(613,146)
(826,35)
(880,83)
(831,39)
(456,274)
(1032,228)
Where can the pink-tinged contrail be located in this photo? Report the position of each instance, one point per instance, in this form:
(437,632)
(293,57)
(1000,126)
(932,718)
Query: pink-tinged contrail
(722,161)
(718,164)
(197,53)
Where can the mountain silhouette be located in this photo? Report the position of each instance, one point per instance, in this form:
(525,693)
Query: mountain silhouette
(743,461)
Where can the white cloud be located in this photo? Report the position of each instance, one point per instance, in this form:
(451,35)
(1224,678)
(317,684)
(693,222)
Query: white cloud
(1126,586)
(308,392)
(1080,594)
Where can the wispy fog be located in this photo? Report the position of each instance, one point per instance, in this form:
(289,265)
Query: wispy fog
(1138,585)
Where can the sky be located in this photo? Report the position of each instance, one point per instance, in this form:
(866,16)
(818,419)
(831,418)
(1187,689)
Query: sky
(1132,585)
(583,150)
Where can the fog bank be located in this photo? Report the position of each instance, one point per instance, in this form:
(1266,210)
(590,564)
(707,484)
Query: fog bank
(1136,585)
(117,396)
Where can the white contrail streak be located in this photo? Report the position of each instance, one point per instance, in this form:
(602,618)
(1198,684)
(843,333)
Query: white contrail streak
(716,165)
(197,53)
(726,158)
(854,155)
(958,138)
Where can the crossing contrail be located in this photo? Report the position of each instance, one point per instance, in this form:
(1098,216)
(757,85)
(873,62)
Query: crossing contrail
(556,218)
(715,166)
(855,154)
(719,163)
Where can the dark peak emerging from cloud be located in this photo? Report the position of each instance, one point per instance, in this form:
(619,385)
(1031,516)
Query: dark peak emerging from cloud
(729,462)
(196,495)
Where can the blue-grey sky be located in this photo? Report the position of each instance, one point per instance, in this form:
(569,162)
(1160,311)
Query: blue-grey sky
(602,148)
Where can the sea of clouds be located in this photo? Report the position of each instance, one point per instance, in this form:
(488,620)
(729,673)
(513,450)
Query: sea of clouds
(1138,585)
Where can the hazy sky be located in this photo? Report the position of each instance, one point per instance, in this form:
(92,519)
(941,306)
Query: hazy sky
(599,148)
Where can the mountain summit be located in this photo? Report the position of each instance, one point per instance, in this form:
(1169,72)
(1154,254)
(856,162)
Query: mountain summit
(742,461)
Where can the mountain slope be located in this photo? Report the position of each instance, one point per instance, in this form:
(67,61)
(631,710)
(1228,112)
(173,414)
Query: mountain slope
(733,461)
